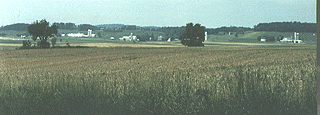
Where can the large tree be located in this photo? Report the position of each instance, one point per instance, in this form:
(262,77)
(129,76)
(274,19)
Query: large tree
(194,35)
(43,31)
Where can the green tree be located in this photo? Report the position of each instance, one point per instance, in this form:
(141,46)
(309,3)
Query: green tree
(99,35)
(280,37)
(54,41)
(236,35)
(194,35)
(43,31)
(240,30)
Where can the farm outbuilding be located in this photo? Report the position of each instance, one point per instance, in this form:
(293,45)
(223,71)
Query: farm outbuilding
(129,38)
(287,40)
(292,40)
(297,41)
(81,34)
(75,35)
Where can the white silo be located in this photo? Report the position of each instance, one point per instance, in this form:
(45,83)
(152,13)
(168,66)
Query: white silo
(296,36)
(205,36)
(89,33)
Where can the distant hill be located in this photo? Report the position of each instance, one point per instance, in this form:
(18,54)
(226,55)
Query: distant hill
(120,25)
(18,27)
(151,27)
(110,25)
(286,27)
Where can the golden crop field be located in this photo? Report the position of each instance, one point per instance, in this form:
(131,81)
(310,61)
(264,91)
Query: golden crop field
(171,80)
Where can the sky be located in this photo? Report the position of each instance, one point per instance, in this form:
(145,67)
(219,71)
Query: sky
(172,13)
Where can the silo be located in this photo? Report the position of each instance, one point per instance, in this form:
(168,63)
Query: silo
(205,36)
(89,33)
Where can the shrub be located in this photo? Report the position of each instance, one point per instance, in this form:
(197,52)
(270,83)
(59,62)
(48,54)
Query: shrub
(43,44)
(192,43)
(54,41)
(26,43)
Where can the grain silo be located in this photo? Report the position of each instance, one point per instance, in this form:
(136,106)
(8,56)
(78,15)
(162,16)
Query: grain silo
(205,36)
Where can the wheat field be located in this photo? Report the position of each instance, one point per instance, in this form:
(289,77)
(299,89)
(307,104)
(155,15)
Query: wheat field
(164,80)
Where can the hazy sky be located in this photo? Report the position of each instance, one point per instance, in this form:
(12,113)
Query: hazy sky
(209,13)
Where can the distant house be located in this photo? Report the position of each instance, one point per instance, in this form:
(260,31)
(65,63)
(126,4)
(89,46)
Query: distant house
(263,40)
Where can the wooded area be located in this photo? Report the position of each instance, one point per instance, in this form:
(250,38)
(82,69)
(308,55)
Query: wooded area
(286,27)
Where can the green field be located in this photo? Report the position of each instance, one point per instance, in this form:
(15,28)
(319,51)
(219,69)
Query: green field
(215,79)
(251,37)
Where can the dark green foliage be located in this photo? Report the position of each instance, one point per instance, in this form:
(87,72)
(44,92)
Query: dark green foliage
(54,41)
(286,27)
(69,26)
(43,44)
(225,29)
(99,34)
(259,38)
(194,35)
(192,43)
(26,43)
(18,27)
(279,38)
(85,27)
(43,31)
(3,35)
(68,45)
(236,35)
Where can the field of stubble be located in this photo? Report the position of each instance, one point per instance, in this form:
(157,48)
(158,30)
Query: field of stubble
(122,80)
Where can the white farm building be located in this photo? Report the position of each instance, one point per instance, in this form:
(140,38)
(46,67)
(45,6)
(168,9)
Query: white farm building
(292,40)
(75,35)
(129,38)
(79,35)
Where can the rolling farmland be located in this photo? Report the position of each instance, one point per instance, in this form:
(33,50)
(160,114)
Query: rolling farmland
(149,80)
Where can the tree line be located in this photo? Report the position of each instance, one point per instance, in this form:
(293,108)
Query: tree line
(18,27)
(286,27)
(59,25)
(224,29)
(175,32)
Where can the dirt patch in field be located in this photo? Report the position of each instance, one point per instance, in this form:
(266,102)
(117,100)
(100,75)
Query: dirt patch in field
(126,45)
